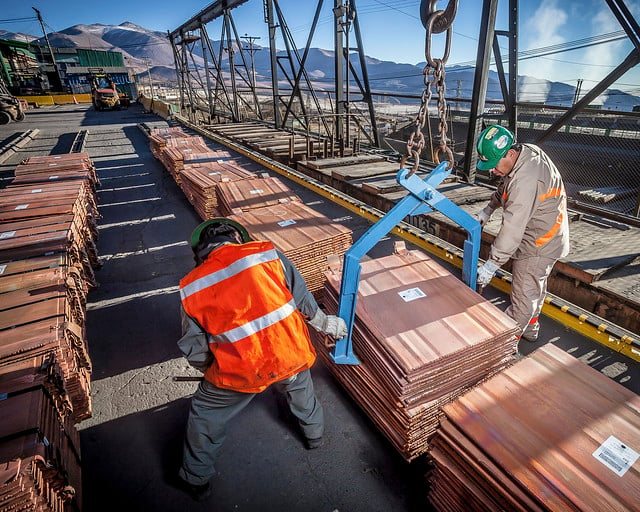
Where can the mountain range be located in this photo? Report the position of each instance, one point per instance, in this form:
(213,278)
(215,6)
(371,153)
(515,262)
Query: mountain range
(145,49)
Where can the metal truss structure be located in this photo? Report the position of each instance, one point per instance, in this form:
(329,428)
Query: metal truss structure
(217,82)
(488,41)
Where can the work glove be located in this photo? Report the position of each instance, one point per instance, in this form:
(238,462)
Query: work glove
(486,272)
(330,325)
(483,217)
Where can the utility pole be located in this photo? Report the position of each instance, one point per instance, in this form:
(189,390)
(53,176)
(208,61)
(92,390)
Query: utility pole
(146,61)
(53,59)
(252,51)
(576,95)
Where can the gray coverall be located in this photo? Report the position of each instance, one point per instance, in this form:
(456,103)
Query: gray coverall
(534,232)
(213,407)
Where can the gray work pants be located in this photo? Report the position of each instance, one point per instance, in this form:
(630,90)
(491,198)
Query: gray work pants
(528,289)
(212,408)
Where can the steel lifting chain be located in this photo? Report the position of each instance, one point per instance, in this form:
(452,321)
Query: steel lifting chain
(435,22)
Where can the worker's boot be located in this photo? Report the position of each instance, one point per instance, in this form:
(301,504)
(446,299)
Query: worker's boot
(197,492)
(312,444)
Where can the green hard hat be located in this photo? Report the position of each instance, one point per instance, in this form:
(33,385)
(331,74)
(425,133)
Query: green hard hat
(197,233)
(492,145)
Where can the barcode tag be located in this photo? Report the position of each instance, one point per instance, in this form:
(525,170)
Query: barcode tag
(22,207)
(616,455)
(256,191)
(412,294)
(7,234)
(54,177)
(213,173)
(286,223)
(36,190)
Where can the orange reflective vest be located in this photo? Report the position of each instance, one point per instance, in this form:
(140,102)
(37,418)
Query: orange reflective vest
(239,296)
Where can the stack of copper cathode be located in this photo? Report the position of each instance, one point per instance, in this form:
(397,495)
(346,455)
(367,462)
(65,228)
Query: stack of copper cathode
(218,186)
(173,154)
(549,433)
(422,338)
(200,179)
(47,261)
(238,197)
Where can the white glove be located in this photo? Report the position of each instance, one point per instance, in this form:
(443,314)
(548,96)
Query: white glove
(483,217)
(486,272)
(331,325)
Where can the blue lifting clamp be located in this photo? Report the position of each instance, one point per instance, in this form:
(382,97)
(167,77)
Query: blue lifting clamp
(422,198)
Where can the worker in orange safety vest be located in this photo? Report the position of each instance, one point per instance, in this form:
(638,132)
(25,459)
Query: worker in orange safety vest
(245,310)
(535,228)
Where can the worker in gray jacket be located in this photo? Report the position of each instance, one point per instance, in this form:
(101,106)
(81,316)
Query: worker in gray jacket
(535,227)
(245,310)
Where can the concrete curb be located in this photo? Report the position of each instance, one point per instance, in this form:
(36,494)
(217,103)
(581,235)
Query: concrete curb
(19,142)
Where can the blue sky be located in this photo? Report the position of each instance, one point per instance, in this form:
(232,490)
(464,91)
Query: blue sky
(391,29)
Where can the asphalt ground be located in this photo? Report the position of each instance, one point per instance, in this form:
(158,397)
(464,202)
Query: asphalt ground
(131,446)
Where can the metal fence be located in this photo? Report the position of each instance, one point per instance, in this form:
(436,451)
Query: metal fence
(597,153)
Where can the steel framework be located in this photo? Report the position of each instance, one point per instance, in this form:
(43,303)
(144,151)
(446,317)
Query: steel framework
(215,80)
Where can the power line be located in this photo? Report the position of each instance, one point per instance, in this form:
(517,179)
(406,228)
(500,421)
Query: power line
(16,20)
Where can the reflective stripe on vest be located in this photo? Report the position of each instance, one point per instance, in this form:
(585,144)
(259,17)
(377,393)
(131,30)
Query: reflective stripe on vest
(235,268)
(553,192)
(256,325)
(552,232)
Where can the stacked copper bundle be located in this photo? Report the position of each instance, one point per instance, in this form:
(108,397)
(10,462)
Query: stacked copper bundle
(422,338)
(159,136)
(176,150)
(47,261)
(40,454)
(199,181)
(56,168)
(305,236)
(237,197)
(549,433)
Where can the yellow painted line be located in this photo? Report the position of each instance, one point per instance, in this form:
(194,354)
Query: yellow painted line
(563,314)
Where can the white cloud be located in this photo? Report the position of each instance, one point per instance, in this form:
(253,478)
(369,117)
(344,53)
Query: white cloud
(604,54)
(543,29)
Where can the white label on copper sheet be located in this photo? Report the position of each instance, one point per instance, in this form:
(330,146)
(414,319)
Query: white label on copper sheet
(22,207)
(213,173)
(616,455)
(256,191)
(36,190)
(2,268)
(7,234)
(412,294)
(286,223)
(54,177)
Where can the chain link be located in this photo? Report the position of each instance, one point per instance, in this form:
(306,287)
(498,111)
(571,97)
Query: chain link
(435,21)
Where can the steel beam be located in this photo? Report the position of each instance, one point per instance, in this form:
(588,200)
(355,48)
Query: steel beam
(211,12)
(480,79)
